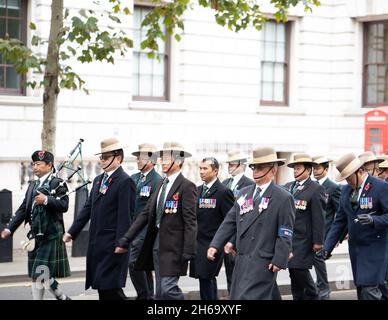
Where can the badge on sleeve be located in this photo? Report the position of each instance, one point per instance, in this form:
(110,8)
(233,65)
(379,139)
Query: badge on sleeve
(285,232)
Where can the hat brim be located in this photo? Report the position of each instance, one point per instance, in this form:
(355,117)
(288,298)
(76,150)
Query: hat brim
(280,162)
(340,177)
(292,164)
(111,149)
(321,162)
(137,153)
(376,160)
(182,153)
(237,159)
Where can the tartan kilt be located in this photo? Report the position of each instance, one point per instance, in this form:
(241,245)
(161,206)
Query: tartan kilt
(51,254)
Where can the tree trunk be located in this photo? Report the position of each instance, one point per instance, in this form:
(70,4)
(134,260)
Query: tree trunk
(51,88)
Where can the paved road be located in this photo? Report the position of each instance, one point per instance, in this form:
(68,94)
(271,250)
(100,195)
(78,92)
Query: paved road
(74,287)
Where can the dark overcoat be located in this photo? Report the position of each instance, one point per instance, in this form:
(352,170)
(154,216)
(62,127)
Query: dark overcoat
(109,216)
(263,236)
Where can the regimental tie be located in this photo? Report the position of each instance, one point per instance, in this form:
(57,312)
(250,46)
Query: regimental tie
(204,190)
(160,207)
(229,184)
(256,197)
(141,179)
(295,187)
(103,181)
(354,198)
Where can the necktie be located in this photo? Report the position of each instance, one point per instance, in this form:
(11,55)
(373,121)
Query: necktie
(295,187)
(160,207)
(229,184)
(141,178)
(256,197)
(354,198)
(204,190)
(103,181)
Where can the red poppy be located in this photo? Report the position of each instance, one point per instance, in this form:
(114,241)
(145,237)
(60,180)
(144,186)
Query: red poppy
(110,180)
(367,186)
(176,196)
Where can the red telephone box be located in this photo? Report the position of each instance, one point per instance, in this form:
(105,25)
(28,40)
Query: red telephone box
(376,130)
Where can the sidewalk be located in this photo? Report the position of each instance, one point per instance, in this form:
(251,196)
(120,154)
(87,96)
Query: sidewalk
(338,267)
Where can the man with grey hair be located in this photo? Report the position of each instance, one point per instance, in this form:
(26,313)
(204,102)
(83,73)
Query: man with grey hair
(237,163)
(262,219)
(363,209)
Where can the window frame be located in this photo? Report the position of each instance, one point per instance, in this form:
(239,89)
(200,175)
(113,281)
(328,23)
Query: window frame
(285,102)
(365,65)
(167,67)
(21,91)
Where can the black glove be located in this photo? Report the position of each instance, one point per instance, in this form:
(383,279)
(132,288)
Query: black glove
(187,257)
(325,254)
(365,219)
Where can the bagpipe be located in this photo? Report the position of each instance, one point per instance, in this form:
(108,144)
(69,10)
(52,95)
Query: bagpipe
(74,154)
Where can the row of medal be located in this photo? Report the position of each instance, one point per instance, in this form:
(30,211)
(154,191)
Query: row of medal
(263,204)
(301,204)
(145,191)
(366,203)
(246,206)
(207,203)
(171,207)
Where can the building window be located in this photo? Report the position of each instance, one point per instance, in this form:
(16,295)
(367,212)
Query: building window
(275,63)
(150,76)
(375,87)
(13,24)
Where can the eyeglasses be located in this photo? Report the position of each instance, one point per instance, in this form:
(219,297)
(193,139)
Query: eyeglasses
(106,156)
(259,166)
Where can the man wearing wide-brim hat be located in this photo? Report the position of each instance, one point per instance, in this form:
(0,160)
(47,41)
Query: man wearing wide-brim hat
(363,209)
(237,163)
(383,167)
(370,162)
(321,166)
(109,207)
(170,217)
(309,228)
(146,181)
(262,219)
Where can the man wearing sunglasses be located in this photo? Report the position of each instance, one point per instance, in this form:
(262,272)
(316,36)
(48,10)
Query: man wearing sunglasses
(109,207)
(262,220)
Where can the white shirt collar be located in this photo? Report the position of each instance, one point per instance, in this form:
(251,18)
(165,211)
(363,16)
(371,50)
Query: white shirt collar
(322,181)
(145,173)
(42,179)
(111,172)
(210,184)
(172,178)
(302,182)
(362,186)
(236,179)
(263,187)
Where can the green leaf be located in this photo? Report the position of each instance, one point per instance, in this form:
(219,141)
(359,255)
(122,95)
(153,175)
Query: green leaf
(32,26)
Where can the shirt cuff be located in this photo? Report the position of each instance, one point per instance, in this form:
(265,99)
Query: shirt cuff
(46,201)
